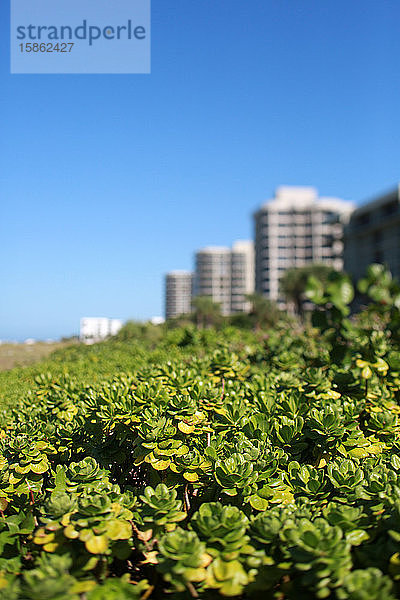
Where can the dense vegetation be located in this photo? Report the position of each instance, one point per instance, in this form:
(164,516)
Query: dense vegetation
(204,463)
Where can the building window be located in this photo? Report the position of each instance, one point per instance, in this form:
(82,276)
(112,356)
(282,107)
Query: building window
(390,208)
(363,219)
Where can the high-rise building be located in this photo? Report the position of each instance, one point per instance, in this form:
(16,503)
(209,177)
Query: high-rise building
(296,228)
(226,275)
(213,275)
(178,293)
(373,235)
(242,275)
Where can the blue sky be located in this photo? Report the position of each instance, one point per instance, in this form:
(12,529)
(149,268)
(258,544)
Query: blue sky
(109,181)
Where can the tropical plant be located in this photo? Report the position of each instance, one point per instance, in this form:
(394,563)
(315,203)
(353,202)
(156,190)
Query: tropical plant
(293,283)
(222,463)
(206,311)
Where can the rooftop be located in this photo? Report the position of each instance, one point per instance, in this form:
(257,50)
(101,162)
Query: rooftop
(214,250)
(392,195)
(178,273)
(297,197)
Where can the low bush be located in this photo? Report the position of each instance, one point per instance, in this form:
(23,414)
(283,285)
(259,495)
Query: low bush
(217,464)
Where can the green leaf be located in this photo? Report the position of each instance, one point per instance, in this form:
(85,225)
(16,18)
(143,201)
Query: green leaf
(119,530)
(192,477)
(97,544)
(40,467)
(357,537)
(258,503)
(315,290)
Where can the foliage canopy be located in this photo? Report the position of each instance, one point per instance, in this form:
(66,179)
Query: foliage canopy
(207,464)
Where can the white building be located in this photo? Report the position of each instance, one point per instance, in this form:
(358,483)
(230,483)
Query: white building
(226,275)
(95,329)
(242,275)
(178,293)
(295,228)
(213,275)
(158,320)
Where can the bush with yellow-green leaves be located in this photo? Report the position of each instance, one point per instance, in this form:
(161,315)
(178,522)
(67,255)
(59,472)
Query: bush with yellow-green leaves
(231,464)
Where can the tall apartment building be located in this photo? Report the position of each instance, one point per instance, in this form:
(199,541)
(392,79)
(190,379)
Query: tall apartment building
(373,235)
(178,293)
(226,275)
(242,275)
(213,275)
(294,228)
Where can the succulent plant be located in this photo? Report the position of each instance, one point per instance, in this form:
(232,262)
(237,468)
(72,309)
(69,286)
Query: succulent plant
(230,578)
(26,477)
(235,475)
(223,528)
(326,425)
(227,364)
(58,505)
(193,466)
(160,509)
(307,480)
(319,553)
(365,584)
(154,427)
(51,580)
(352,520)
(183,559)
(266,527)
(288,432)
(384,423)
(164,453)
(80,476)
(95,522)
(119,588)
(10,586)
(345,475)
(230,464)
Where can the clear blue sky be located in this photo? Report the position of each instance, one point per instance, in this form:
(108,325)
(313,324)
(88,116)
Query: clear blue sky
(109,181)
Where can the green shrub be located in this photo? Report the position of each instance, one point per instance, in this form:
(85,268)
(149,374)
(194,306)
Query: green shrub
(208,464)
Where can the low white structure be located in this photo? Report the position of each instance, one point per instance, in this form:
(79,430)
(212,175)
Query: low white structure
(157,320)
(95,329)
